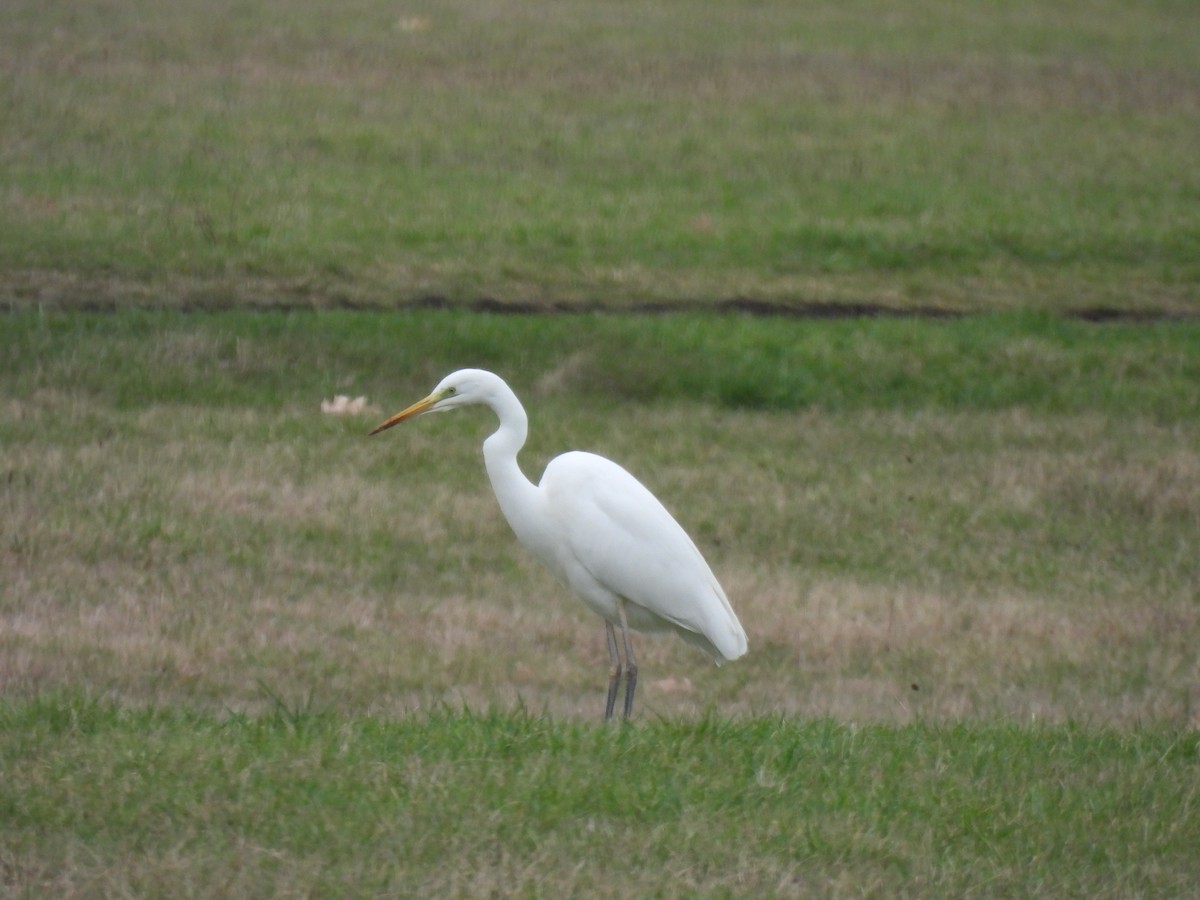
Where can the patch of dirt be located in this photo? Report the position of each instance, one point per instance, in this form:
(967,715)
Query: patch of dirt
(75,293)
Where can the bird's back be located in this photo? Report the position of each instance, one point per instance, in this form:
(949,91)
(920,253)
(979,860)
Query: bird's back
(616,540)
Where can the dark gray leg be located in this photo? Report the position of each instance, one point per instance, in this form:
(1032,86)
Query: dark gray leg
(614,672)
(631,668)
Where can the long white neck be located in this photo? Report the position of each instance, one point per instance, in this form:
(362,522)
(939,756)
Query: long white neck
(517,495)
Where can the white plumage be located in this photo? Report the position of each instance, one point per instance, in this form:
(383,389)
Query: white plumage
(601,532)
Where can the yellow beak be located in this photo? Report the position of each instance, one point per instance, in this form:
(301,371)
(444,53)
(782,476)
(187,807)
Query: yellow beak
(415,410)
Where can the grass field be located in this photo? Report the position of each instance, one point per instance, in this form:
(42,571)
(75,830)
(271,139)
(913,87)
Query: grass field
(237,636)
(247,651)
(910,155)
(170,803)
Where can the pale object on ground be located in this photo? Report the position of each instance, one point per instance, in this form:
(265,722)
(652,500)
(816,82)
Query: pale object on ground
(341,405)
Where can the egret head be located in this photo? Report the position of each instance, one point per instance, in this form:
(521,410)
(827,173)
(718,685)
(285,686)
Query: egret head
(461,388)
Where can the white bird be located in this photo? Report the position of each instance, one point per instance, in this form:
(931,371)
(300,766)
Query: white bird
(602,533)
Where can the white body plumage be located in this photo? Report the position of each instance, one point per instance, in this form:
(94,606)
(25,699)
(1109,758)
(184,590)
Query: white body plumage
(599,530)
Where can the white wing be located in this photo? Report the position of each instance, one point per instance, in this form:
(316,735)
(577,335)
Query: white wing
(615,540)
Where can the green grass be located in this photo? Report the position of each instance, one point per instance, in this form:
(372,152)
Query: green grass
(237,636)
(1031,361)
(98,800)
(1002,509)
(247,651)
(930,155)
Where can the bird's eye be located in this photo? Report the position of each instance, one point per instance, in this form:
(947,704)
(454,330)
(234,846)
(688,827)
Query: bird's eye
(451,391)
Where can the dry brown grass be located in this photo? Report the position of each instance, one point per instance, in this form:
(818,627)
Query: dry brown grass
(886,567)
(575,47)
(865,652)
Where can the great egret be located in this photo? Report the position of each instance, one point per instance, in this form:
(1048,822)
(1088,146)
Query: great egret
(602,533)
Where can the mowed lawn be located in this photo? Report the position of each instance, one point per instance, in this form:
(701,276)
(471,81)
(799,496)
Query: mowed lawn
(925,154)
(246,650)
